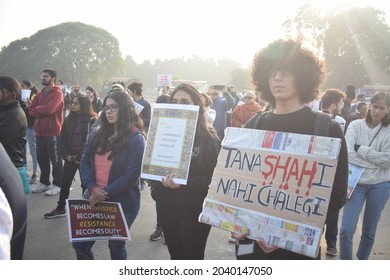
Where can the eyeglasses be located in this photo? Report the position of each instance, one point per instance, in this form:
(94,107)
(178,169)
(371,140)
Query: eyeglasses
(113,108)
(248,97)
(183,102)
(283,72)
(75,103)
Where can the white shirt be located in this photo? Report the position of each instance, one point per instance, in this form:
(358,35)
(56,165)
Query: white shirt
(340,121)
(6,226)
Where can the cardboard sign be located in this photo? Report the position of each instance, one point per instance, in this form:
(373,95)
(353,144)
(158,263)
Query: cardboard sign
(170,140)
(164,80)
(105,221)
(274,185)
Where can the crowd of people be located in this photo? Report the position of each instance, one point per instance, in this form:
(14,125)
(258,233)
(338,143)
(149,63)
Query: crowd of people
(104,140)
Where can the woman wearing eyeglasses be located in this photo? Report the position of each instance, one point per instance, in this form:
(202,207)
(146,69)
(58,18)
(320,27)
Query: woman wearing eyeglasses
(71,142)
(111,165)
(181,204)
(242,113)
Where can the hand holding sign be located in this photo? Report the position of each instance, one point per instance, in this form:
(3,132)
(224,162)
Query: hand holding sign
(98,195)
(168,182)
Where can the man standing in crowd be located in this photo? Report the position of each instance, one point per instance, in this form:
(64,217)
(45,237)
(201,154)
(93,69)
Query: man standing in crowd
(332,101)
(47,108)
(288,76)
(221,104)
(136,89)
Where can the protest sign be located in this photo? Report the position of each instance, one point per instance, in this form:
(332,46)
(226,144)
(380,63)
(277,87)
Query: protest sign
(354,174)
(170,140)
(25,94)
(164,80)
(276,186)
(104,221)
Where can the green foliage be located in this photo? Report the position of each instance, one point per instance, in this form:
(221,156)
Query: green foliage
(81,54)
(354,41)
(86,55)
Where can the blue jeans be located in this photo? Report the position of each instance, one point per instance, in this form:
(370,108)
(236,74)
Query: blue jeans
(32,144)
(375,197)
(117,248)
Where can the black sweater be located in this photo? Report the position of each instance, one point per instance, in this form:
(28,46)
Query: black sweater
(13,127)
(188,199)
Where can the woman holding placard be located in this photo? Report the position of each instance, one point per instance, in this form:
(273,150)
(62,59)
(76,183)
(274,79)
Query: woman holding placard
(368,142)
(186,238)
(111,165)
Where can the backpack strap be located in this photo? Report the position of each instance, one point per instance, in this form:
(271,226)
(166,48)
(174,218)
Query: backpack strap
(322,123)
(255,121)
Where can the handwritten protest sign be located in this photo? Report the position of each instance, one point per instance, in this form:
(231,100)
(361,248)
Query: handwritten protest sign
(170,140)
(105,221)
(274,185)
(164,80)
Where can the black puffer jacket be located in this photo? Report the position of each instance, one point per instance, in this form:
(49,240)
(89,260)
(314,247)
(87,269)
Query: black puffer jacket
(13,127)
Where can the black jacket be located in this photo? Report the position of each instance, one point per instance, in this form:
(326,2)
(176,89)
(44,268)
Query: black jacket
(188,199)
(65,138)
(13,127)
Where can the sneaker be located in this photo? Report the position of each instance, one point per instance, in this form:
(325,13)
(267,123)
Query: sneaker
(40,188)
(142,185)
(157,234)
(55,213)
(232,239)
(34,179)
(53,190)
(331,250)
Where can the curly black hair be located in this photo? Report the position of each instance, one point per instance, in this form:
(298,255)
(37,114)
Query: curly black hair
(307,68)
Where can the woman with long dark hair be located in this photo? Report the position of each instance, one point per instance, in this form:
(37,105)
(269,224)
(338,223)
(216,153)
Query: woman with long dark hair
(74,133)
(94,98)
(181,205)
(368,142)
(111,165)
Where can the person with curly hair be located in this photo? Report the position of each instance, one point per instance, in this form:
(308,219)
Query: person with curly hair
(288,75)
(111,165)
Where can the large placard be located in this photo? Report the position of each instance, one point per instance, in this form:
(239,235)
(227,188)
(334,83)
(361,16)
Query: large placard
(104,221)
(274,185)
(170,140)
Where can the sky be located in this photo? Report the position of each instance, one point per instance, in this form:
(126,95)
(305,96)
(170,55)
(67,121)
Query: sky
(166,29)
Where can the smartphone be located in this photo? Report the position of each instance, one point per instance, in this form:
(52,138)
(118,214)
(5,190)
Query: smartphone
(219,87)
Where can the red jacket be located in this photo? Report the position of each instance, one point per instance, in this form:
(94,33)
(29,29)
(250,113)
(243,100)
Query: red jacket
(48,109)
(241,114)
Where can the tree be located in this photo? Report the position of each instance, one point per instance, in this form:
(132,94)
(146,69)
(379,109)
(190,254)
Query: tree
(354,41)
(81,54)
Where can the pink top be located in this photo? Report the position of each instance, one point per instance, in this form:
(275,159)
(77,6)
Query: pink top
(102,169)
